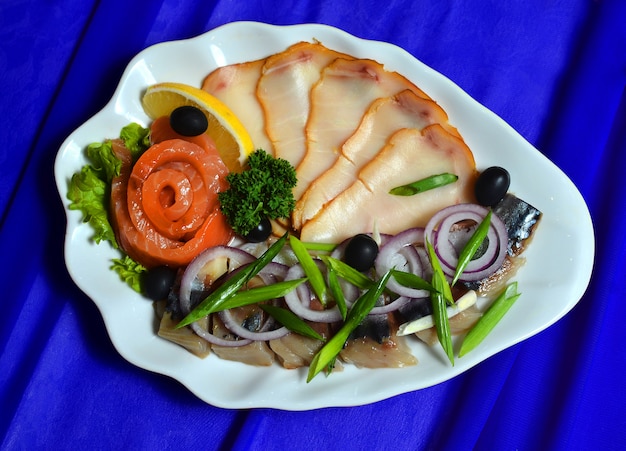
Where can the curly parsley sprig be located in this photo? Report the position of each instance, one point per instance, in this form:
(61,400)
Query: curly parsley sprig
(263,190)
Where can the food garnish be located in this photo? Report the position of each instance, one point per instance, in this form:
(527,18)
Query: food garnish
(187,120)
(262,190)
(133,274)
(313,273)
(357,313)
(491,185)
(291,321)
(255,295)
(231,138)
(490,319)
(361,252)
(89,190)
(157,282)
(426,322)
(471,247)
(425,184)
(233,285)
(440,298)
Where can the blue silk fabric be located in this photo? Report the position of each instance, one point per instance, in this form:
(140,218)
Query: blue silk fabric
(555,71)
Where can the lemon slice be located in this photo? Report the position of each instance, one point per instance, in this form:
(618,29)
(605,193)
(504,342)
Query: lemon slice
(231,138)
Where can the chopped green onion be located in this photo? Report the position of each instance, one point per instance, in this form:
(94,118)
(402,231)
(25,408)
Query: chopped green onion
(411,280)
(257,294)
(348,273)
(337,292)
(490,318)
(470,248)
(361,307)
(291,321)
(230,287)
(311,270)
(439,299)
(324,247)
(425,184)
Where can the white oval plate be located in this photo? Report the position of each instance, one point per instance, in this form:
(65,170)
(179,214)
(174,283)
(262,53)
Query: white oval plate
(556,274)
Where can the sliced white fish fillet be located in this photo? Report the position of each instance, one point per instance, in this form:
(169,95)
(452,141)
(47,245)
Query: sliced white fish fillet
(384,117)
(378,346)
(410,155)
(235,85)
(283,92)
(340,98)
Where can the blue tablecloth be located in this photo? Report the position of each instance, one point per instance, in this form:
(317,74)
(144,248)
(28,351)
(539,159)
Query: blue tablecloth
(555,71)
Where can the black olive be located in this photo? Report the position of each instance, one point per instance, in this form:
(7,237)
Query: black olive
(188,121)
(491,186)
(360,252)
(261,232)
(158,281)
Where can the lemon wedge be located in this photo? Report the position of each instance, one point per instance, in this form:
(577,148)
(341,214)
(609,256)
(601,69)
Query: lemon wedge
(231,138)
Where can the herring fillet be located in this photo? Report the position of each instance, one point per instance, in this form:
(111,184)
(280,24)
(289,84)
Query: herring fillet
(283,93)
(384,117)
(409,156)
(235,85)
(339,100)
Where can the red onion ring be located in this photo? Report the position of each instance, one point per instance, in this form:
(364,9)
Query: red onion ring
(299,300)
(438,233)
(262,335)
(236,258)
(400,252)
(271,273)
(391,307)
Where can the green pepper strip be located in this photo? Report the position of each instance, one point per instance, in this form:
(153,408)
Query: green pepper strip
(470,248)
(311,270)
(362,306)
(439,299)
(490,318)
(425,184)
(229,288)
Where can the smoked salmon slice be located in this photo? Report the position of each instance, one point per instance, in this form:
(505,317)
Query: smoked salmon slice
(165,208)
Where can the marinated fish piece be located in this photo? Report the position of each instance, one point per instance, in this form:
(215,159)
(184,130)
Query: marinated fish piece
(459,324)
(257,353)
(283,91)
(384,117)
(373,344)
(184,336)
(339,100)
(235,85)
(295,350)
(520,219)
(409,156)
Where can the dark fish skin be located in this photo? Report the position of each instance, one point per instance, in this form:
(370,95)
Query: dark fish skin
(376,327)
(520,219)
(416,309)
(374,344)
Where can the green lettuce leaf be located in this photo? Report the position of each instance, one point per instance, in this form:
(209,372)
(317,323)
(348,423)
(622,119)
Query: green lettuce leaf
(90,189)
(136,139)
(89,194)
(129,271)
(103,161)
